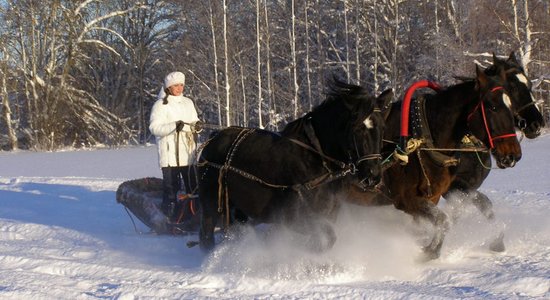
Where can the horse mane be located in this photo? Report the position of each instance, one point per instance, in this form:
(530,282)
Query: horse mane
(337,91)
(355,98)
(294,127)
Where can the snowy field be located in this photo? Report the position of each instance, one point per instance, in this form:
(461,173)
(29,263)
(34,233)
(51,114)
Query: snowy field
(63,236)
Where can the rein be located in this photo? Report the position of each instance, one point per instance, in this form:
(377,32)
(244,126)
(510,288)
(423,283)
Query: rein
(208,126)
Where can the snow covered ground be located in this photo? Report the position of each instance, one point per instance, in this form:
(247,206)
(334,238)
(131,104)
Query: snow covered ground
(63,236)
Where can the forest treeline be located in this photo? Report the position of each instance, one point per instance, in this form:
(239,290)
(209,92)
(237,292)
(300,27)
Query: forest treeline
(86,73)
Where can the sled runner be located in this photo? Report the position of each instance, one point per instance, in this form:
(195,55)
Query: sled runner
(143,198)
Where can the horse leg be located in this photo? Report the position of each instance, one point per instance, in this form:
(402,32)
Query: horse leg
(485,206)
(322,236)
(208,192)
(312,221)
(440,223)
(238,216)
(460,194)
(206,233)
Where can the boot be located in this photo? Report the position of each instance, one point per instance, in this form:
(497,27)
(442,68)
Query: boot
(168,208)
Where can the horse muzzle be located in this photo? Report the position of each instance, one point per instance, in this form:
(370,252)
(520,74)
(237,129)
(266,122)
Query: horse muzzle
(533,130)
(507,153)
(371,178)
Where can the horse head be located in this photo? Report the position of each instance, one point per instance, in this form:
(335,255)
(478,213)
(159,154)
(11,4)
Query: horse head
(492,119)
(357,128)
(529,118)
(369,133)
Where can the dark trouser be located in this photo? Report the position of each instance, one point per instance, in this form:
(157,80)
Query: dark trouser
(173,179)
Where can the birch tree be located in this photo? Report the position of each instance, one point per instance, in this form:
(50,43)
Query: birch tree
(346,34)
(523,36)
(293,54)
(271,102)
(86,72)
(307,54)
(259,64)
(226,56)
(6,109)
(53,38)
(215,63)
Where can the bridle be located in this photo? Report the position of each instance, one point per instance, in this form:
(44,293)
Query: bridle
(521,121)
(481,105)
(351,165)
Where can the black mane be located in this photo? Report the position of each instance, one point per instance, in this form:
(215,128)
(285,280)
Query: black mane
(337,91)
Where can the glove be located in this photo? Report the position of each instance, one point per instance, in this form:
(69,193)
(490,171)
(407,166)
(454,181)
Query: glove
(197,127)
(179,125)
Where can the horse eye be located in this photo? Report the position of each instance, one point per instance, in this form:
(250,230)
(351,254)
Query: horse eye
(491,104)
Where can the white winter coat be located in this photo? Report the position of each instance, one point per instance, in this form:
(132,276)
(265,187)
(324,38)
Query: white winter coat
(163,126)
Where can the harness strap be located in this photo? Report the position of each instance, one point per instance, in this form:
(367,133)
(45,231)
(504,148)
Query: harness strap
(308,147)
(310,185)
(525,106)
(310,132)
(223,192)
(312,137)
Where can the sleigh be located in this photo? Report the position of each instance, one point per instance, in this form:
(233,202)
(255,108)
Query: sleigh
(142,199)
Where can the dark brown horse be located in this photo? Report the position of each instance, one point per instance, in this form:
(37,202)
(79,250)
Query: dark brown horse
(292,177)
(473,168)
(479,107)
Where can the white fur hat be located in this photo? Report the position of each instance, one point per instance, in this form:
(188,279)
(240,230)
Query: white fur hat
(174,78)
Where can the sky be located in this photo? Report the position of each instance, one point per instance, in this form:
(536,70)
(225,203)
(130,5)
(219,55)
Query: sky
(63,236)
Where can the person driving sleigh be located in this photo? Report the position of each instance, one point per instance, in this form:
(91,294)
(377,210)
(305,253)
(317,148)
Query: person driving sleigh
(174,122)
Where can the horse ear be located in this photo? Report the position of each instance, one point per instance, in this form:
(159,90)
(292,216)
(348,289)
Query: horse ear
(512,58)
(383,102)
(481,78)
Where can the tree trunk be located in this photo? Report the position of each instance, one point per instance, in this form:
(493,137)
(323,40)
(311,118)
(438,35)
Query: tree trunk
(226,55)
(270,92)
(6,112)
(308,67)
(294,60)
(215,65)
(258,65)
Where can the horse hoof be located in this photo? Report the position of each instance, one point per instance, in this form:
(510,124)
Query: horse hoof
(429,254)
(191,244)
(322,239)
(497,245)
(319,245)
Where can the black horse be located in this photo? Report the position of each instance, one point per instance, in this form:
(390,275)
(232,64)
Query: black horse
(473,168)
(440,121)
(292,177)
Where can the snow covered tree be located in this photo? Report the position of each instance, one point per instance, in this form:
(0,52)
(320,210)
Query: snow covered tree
(86,72)
(53,38)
